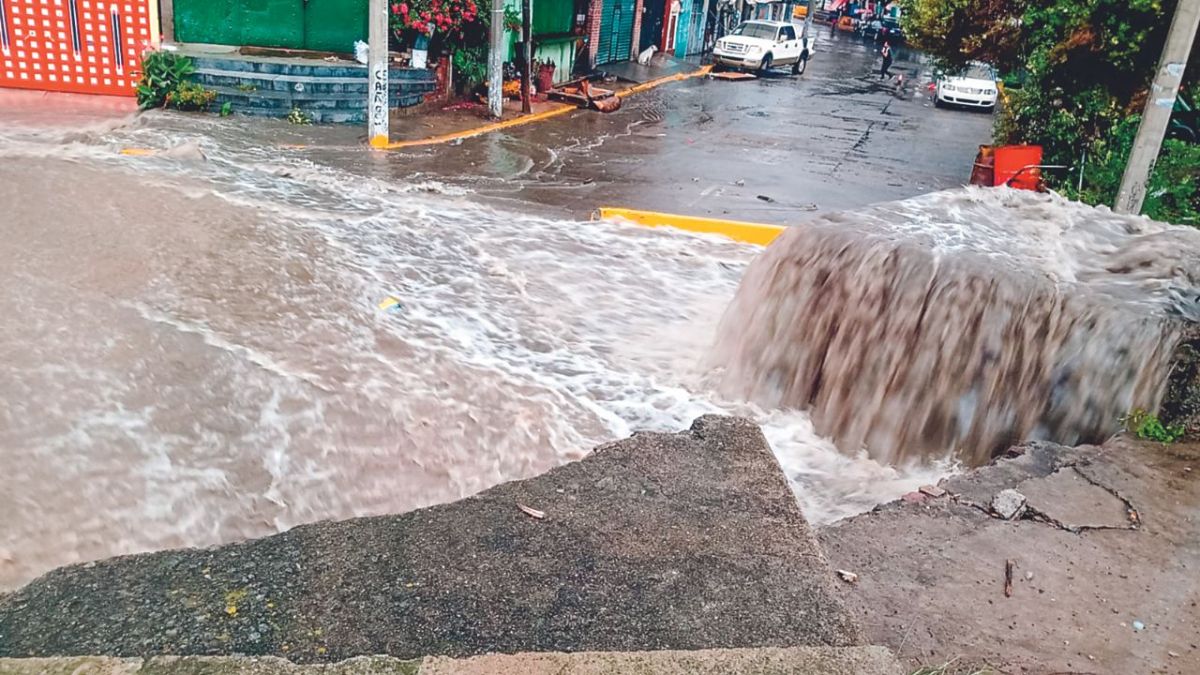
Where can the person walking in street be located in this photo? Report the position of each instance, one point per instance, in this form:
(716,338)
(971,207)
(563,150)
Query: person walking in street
(886,52)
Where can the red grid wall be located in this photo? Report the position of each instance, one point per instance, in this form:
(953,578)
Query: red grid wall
(83,46)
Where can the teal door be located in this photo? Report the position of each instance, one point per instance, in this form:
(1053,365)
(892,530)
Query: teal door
(322,25)
(616,31)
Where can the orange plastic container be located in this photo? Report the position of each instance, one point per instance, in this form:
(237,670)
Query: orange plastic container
(1017,163)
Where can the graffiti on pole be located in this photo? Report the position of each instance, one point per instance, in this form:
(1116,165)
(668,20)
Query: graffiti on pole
(379,99)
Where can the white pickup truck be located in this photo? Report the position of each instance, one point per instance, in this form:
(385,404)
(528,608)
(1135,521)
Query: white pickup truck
(763,45)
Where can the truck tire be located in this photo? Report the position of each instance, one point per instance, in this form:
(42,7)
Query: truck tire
(766,64)
(800,65)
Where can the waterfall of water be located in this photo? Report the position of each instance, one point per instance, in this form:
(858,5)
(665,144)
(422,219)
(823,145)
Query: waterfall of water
(963,322)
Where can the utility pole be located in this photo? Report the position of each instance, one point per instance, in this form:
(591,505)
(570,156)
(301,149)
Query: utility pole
(1159,105)
(527,49)
(378,106)
(496,61)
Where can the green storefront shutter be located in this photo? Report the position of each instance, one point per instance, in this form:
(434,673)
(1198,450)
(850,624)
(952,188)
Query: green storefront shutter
(604,50)
(624,40)
(334,25)
(616,31)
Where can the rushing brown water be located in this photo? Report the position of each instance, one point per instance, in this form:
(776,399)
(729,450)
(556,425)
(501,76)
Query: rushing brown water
(963,322)
(192,350)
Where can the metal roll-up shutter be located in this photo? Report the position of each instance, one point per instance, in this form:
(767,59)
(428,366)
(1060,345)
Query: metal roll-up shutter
(616,31)
(623,43)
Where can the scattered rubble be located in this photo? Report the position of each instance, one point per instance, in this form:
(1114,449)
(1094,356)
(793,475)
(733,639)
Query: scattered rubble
(1008,504)
(932,490)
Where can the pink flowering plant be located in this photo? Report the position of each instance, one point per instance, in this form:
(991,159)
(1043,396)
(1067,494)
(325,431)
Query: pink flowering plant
(458,21)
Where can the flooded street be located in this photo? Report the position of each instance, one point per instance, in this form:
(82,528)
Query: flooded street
(194,351)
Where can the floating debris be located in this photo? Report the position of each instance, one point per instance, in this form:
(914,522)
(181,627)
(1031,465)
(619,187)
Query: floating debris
(531,512)
(390,304)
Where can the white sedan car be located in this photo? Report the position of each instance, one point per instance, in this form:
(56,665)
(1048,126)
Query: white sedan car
(763,45)
(974,87)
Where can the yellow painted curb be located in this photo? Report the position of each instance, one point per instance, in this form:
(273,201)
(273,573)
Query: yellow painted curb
(485,129)
(537,117)
(747,233)
(678,77)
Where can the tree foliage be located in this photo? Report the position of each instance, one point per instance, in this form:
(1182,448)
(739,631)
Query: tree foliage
(1082,70)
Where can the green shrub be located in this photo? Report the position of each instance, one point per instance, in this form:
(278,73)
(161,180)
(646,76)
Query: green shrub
(298,116)
(190,96)
(162,73)
(1173,193)
(1148,427)
(470,66)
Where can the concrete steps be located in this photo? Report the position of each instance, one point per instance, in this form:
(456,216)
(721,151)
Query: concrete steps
(326,92)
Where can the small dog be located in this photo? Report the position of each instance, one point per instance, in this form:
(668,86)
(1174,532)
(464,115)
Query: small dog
(644,57)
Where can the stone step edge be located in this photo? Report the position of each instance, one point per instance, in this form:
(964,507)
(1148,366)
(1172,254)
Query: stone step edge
(283,97)
(746,661)
(305,79)
(300,69)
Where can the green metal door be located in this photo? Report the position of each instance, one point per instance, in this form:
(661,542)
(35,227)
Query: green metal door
(323,25)
(616,31)
(334,25)
(264,23)
(272,23)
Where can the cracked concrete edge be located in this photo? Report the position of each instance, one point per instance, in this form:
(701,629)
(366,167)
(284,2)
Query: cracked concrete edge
(755,661)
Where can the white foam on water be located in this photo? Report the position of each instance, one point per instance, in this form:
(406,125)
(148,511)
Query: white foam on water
(250,383)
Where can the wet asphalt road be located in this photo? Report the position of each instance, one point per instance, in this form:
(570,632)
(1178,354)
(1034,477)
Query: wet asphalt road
(772,150)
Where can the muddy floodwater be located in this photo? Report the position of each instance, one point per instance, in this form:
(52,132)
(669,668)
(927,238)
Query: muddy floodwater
(194,350)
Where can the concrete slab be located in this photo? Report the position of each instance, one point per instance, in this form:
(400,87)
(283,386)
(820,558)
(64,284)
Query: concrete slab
(1070,499)
(662,541)
(659,66)
(766,661)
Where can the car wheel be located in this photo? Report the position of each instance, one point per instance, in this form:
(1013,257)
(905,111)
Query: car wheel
(800,65)
(937,102)
(765,65)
